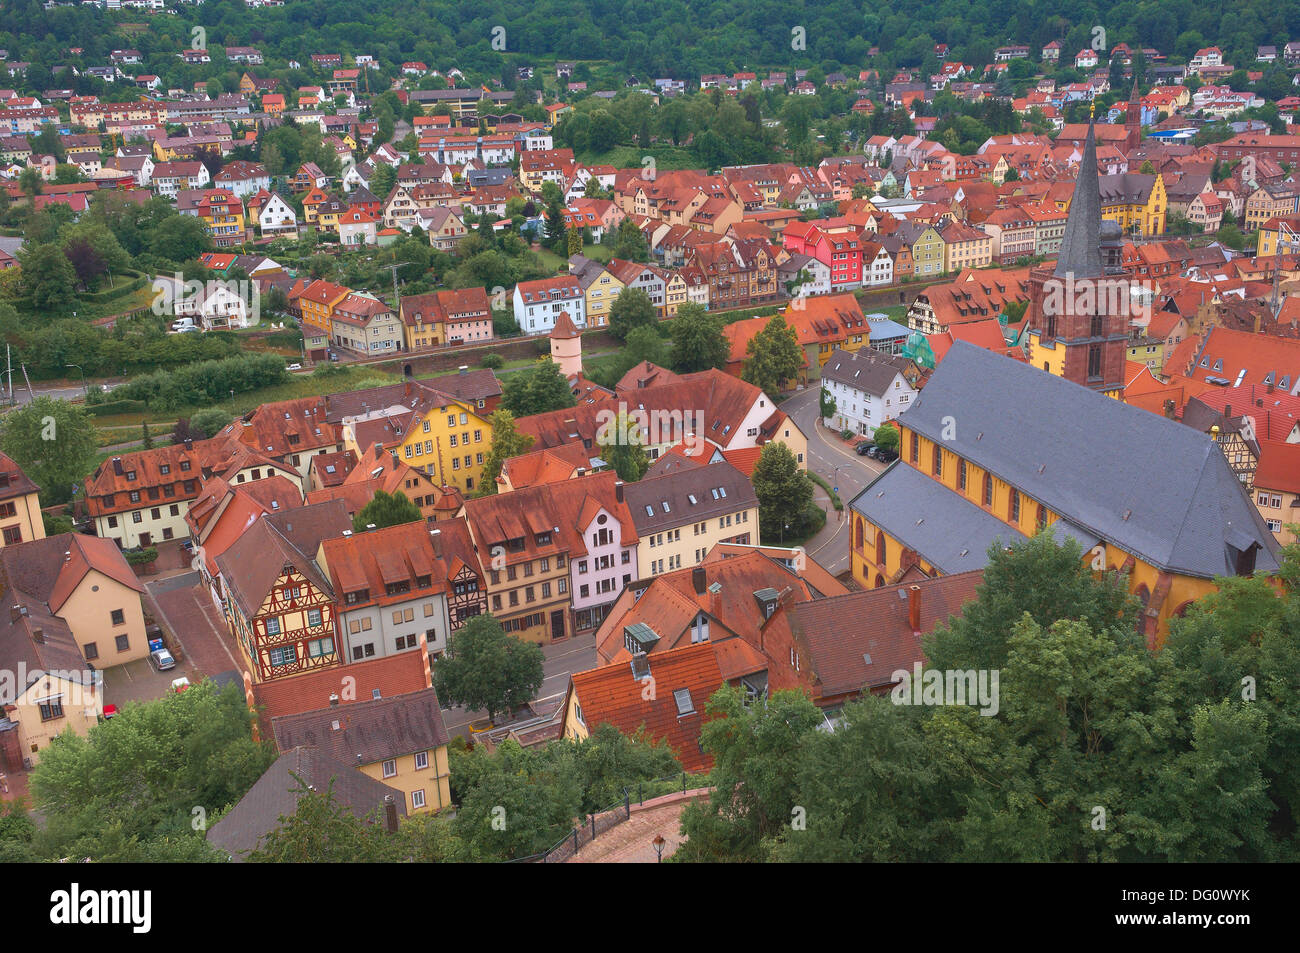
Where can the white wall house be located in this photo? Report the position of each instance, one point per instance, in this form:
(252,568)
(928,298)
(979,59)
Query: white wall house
(868,387)
(538,303)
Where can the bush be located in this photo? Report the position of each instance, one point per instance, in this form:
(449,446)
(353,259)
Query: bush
(492,361)
(141,557)
(111,408)
(205,382)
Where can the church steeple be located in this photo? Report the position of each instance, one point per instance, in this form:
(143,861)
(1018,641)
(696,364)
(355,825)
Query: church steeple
(1080,246)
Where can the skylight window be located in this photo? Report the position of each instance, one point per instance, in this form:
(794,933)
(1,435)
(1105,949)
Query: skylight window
(684,704)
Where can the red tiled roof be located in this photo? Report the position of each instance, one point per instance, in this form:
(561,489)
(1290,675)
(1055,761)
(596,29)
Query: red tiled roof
(392,675)
(615,696)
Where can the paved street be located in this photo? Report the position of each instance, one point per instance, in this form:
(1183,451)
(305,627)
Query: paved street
(831,458)
(185,610)
(577,654)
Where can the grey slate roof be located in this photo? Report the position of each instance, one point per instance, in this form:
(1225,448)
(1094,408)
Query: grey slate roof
(275,795)
(1149,485)
(1080,253)
(947,531)
(865,369)
(368,731)
(676,487)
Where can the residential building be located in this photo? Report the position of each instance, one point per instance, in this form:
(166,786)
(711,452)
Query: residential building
(20,505)
(682,507)
(869,388)
(278,604)
(400,742)
(538,303)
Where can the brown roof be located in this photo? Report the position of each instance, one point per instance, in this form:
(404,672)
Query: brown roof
(275,796)
(13,481)
(251,566)
(367,731)
(390,675)
(839,634)
(684,679)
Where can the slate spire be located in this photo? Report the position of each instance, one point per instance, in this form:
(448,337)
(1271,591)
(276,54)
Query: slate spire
(1080,247)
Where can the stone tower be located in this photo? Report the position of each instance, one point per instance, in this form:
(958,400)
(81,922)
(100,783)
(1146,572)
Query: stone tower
(566,345)
(1079,310)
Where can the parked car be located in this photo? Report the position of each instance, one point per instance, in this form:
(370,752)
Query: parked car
(180,684)
(865,447)
(885,456)
(294,367)
(162,659)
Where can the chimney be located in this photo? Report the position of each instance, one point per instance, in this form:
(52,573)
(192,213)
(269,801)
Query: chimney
(914,608)
(390,814)
(379,449)
(334,698)
(697,578)
(435,537)
(369,527)
(1227,411)
(1269,389)
(189,443)
(15,613)
(38,635)
(618,490)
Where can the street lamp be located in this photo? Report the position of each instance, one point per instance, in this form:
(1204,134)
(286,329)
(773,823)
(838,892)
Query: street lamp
(658,844)
(84,387)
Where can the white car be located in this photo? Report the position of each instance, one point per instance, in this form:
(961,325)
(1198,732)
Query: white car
(162,659)
(294,367)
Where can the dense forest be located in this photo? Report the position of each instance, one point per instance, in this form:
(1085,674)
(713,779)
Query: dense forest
(672,38)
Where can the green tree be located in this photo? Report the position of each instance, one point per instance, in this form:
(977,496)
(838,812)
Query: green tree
(49,279)
(323,831)
(484,668)
(699,343)
(180,238)
(507,442)
(754,792)
(386,509)
(382,180)
(146,438)
(555,230)
(773,357)
(827,405)
(128,790)
(54,443)
(784,491)
(630,242)
(536,390)
(573,237)
(631,309)
(209,421)
(620,442)
(886,437)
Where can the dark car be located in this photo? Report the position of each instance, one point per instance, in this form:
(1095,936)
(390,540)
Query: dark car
(885,455)
(865,447)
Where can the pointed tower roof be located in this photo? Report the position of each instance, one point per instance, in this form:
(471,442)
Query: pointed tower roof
(1080,252)
(564,327)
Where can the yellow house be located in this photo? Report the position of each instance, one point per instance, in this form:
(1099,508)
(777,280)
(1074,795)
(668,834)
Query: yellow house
(965,246)
(73,609)
(600,289)
(447,438)
(1278,231)
(1268,202)
(1000,467)
(1136,201)
(399,741)
(928,249)
(317,302)
(1277,488)
(682,513)
(674,293)
(20,507)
